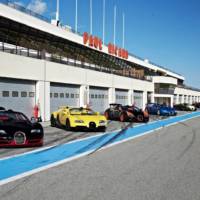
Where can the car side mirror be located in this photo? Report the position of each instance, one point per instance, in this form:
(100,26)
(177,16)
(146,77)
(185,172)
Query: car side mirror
(33,120)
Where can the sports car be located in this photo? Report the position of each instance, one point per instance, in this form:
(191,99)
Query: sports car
(185,107)
(72,117)
(16,130)
(126,113)
(157,109)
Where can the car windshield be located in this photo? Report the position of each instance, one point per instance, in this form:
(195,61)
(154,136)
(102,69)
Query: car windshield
(82,111)
(115,106)
(136,108)
(150,105)
(4,116)
(131,108)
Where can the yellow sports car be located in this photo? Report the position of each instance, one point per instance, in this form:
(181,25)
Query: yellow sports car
(71,117)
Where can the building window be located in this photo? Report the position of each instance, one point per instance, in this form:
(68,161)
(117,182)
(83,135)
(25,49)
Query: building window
(55,95)
(50,95)
(15,94)
(96,96)
(99,96)
(72,95)
(77,96)
(61,95)
(92,96)
(23,94)
(66,95)
(31,94)
(5,93)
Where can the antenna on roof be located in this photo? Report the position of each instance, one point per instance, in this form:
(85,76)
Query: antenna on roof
(57,10)
(56,21)
(104,5)
(91,17)
(115,14)
(76,17)
(123,31)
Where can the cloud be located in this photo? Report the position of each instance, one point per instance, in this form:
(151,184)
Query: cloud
(38,6)
(18,3)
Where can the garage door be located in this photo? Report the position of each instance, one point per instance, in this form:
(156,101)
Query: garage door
(98,99)
(18,95)
(138,99)
(63,95)
(121,96)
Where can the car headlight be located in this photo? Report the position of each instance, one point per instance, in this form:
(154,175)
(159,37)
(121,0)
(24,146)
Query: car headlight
(79,121)
(2,132)
(35,131)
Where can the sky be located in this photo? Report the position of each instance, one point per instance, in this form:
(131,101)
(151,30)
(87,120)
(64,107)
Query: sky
(166,32)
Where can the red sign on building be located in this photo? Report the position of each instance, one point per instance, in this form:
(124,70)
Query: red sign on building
(96,42)
(114,50)
(93,41)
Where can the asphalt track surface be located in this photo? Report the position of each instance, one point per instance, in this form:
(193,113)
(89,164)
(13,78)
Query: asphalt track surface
(162,165)
(56,136)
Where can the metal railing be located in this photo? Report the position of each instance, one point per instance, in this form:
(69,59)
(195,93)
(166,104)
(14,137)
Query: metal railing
(17,6)
(189,87)
(13,4)
(164,91)
(21,51)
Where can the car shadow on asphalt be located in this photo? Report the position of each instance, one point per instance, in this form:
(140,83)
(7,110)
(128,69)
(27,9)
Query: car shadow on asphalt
(102,138)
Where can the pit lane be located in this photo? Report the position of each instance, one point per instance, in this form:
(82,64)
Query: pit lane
(55,136)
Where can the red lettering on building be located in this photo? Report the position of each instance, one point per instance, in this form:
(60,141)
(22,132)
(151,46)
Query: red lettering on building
(100,44)
(114,50)
(85,38)
(94,41)
(91,41)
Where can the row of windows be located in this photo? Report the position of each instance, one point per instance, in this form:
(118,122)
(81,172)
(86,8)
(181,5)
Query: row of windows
(64,95)
(17,94)
(98,96)
(137,97)
(121,97)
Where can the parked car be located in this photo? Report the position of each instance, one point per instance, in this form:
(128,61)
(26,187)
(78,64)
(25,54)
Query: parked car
(126,113)
(17,130)
(185,107)
(197,105)
(72,117)
(157,109)
(2,108)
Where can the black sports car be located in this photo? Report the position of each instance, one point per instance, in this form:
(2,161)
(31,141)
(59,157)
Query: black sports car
(126,113)
(17,130)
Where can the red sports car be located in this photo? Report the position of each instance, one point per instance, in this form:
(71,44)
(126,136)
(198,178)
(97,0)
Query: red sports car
(16,130)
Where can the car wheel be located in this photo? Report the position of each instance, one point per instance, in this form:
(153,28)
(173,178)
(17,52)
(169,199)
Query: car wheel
(107,115)
(122,117)
(53,121)
(58,121)
(140,118)
(19,138)
(146,120)
(68,126)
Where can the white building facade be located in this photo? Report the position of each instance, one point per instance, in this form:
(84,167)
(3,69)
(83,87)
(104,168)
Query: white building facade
(26,81)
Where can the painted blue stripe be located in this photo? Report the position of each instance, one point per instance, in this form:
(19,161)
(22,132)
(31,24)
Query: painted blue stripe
(17,165)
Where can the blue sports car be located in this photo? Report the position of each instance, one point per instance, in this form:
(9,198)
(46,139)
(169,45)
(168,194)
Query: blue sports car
(157,109)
